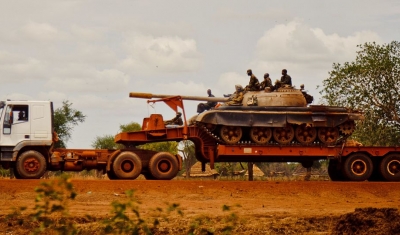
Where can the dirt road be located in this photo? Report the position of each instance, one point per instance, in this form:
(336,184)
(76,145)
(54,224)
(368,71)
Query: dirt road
(258,204)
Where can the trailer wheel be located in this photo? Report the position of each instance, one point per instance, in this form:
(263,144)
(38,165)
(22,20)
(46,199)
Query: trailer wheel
(127,165)
(358,167)
(335,170)
(30,165)
(149,176)
(390,167)
(111,175)
(163,166)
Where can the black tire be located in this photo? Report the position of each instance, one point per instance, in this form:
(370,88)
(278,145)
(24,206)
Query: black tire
(127,165)
(111,175)
(148,176)
(358,167)
(376,175)
(163,166)
(335,170)
(30,165)
(390,167)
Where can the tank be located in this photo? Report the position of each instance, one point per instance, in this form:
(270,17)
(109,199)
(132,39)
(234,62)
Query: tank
(282,116)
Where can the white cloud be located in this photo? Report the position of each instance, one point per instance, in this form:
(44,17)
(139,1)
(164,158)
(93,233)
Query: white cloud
(149,55)
(41,32)
(89,80)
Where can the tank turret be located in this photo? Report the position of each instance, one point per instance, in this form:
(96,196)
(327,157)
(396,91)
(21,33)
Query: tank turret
(282,116)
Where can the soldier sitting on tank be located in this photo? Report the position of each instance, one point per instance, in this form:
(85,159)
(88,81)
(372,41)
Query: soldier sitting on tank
(309,98)
(285,79)
(267,83)
(254,85)
(206,106)
(237,97)
(177,120)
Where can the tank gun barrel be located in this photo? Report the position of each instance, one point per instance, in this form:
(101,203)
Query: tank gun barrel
(199,98)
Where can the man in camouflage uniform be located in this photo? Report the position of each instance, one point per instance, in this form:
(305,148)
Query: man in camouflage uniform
(206,106)
(285,79)
(266,83)
(177,120)
(237,97)
(254,85)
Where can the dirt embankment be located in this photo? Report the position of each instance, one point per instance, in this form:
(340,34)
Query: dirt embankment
(261,207)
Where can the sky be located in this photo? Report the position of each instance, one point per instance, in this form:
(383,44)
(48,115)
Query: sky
(93,53)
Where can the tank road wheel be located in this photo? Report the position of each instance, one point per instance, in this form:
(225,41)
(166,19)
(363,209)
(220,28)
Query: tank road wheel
(260,135)
(163,166)
(358,167)
(231,134)
(328,135)
(335,170)
(347,128)
(390,167)
(31,165)
(127,165)
(284,135)
(305,134)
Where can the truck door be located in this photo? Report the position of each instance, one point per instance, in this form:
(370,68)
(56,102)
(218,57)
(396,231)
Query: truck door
(16,125)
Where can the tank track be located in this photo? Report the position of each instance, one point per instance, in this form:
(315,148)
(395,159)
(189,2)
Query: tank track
(341,139)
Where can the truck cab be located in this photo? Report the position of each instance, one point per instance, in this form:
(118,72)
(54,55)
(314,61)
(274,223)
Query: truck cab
(24,126)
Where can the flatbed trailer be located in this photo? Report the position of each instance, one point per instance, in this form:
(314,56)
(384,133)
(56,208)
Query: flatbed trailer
(354,163)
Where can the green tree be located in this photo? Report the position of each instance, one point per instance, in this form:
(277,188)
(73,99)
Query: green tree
(65,119)
(371,83)
(107,141)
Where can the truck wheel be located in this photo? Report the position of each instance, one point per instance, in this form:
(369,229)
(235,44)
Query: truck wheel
(163,166)
(111,175)
(30,165)
(148,176)
(358,167)
(390,167)
(335,170)
(127,165)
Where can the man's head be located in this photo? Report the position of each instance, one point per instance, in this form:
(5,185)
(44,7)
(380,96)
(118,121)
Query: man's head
(249,72)
(209,91)
(238,87)
(266,75)
(284,71)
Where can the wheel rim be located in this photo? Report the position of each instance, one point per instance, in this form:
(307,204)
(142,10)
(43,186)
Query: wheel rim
(164,166)
(284,135)
(305,134)
(127,166)
(231,134)
(260,135)
(359,167)
(393,167)
(31,165)
(328,135)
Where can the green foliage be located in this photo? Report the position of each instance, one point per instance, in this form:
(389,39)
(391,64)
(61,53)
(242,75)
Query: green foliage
(105,142)
(170,146)
(189,155)
(371,83)
(133,126)
(127,219)
(65,118)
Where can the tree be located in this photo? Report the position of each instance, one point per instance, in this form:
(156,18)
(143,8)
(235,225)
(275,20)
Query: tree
(65,119)
(107,141)
(371,83)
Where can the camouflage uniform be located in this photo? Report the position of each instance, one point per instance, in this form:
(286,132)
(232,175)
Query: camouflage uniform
(254,85)
(177,120)
(266,83)
(237,97)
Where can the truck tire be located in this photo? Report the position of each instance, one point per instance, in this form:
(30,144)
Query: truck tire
(127,165)
(358,167)
(390,167)
(30,165)
(335,170)
(163,166)
(111,175)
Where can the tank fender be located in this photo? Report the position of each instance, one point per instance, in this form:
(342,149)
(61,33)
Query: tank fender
(111,159)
